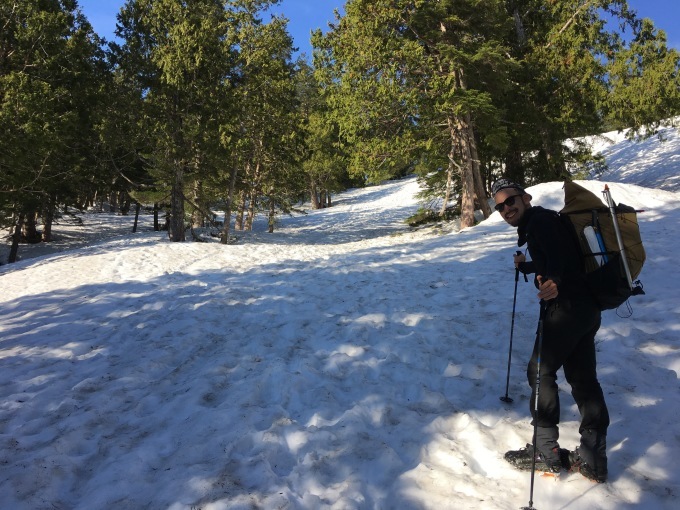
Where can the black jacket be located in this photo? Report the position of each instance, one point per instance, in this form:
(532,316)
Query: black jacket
(553,252)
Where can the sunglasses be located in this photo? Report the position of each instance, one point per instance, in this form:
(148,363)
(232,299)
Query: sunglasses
(510,201)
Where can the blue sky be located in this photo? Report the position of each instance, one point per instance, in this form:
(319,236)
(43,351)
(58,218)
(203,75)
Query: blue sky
(307,15)
(304,16)
(664,13)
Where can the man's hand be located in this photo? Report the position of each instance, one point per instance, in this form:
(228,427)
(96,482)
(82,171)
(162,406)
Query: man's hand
(547,289)
(519,257)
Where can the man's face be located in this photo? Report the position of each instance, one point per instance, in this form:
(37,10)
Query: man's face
(512,213)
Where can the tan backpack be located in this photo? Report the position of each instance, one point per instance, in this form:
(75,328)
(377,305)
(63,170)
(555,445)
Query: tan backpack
(608,236)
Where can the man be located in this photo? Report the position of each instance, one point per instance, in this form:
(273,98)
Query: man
(571,320)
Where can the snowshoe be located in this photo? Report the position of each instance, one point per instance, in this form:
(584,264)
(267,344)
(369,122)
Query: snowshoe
(578,465)
(523,459)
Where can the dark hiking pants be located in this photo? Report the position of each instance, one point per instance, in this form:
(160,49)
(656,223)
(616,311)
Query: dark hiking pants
(569,330)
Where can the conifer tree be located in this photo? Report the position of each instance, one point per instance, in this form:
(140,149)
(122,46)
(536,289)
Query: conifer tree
(176,54)
(645,82)
(323,159)
(577,75)
(49,67)
(262,135)
(414,80)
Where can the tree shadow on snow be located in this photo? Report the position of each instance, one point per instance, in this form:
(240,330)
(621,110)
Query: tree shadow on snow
(309,385)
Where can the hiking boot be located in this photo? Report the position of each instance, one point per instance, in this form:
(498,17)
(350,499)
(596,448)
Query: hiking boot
(591,455)
(578,465)
(523,459)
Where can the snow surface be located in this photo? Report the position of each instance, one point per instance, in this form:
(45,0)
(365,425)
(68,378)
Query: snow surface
(652,163)
(343,362)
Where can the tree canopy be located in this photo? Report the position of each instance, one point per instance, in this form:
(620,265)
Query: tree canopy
(200,106)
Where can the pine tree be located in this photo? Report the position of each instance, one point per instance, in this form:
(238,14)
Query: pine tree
(50,64)
(577,76)
(178,55)
(261,136)
(323,159)
(414,82)
(645,82)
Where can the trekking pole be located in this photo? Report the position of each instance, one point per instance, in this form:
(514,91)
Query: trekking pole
(612,210)
(539,348)
(506,398)
(635,287)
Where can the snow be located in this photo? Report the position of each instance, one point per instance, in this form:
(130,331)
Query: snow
(342,362)
(651,163)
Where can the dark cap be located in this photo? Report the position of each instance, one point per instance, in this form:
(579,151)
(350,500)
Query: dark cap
(503,183)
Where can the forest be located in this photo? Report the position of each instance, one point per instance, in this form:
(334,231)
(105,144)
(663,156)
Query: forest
(200,106)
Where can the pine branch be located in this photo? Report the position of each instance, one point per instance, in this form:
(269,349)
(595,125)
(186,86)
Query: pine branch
(569,22)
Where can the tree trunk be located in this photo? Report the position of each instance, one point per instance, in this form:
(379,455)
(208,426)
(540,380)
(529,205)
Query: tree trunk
(137,208)
(471,155)
(253,198)
(227,213)
(272,214)
(313,194)
(197,218)
(241,211)
(240,216)
(113,202)
(156,226)
(480,191)
(251,210)
(48,219)
(16,237)
(30,228)
(519,27)
(176,227)
(125,202)
(467,206)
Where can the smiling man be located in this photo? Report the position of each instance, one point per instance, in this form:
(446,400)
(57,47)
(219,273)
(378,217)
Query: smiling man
(571,320)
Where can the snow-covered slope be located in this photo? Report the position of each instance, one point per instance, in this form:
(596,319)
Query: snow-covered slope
(652,163)
(342,362)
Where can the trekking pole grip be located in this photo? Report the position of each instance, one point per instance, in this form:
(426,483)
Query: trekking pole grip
(518,252)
